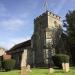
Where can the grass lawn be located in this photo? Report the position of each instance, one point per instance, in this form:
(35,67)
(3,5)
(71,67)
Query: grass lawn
(14,72)
(57,72)
(40,72)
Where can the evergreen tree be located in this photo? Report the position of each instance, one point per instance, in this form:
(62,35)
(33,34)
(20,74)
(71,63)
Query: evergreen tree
(70,19)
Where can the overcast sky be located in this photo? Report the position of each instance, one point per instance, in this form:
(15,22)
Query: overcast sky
(17,16)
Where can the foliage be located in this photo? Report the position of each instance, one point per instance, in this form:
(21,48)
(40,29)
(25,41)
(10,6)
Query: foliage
(70,18)
(59,59)
(13,72)
(0,62)
(9,64)
(37,71)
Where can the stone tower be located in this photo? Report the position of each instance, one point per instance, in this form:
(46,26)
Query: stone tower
(44,38)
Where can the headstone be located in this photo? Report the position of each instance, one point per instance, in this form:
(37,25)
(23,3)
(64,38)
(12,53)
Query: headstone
(51,70)
(23,63)
(2,51)
(67,69)
(28,68)
(63,66)
(23,71)
(24,58)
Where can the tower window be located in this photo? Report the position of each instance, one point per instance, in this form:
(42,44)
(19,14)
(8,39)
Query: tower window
(56,24)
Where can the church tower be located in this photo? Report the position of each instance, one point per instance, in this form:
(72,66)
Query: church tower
(45,37)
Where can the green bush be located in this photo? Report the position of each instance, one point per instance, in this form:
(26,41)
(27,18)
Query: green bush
(58,59)
(9,64)
(0,62)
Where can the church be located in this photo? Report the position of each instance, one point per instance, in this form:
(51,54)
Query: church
(42,45)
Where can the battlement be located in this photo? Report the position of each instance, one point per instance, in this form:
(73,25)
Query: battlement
(48,14)
(53,15)
(41,16)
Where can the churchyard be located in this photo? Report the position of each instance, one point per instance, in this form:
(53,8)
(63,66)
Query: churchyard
(38,71)
(50,46)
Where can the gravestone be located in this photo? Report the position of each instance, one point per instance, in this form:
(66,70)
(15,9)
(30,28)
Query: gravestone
(23,71)
(24,62)
(63,66)
(2,51)
(67,69)
(24,58)
(51,70)
(28,68)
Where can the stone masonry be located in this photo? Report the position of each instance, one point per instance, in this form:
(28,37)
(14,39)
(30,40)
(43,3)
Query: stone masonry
(43,39)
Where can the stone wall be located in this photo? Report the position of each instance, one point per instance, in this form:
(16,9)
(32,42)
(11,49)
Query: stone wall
(45,27)
(6,56)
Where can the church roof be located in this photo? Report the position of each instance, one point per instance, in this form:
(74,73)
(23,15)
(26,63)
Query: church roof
(21,45)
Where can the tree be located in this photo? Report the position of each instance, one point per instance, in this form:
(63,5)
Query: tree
(70,19)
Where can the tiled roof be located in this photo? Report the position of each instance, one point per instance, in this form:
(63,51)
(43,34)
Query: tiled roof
(21,45)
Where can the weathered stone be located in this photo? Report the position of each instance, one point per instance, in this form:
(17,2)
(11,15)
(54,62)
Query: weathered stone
(23,63)
(63,66)
(23,70)
(67,69)
(51,70)
(24,58)
(2,51)
(28,68)
(45,34)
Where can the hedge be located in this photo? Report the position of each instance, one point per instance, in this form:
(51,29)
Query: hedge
(58,59)
(8,64)
(0,62)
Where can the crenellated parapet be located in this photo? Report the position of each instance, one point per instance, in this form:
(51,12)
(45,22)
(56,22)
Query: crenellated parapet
(53,15)
(47,13)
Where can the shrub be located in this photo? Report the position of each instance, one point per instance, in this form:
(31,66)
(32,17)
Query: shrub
(59,59)
(9,64)
(0,62)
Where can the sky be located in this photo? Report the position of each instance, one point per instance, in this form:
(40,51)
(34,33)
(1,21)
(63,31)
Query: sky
(17,18)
